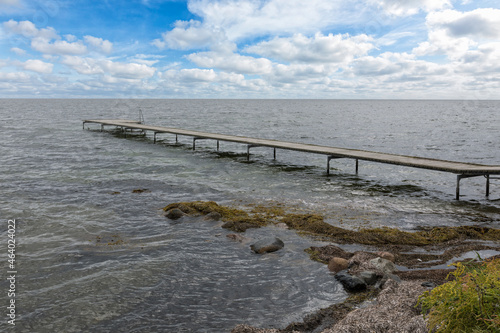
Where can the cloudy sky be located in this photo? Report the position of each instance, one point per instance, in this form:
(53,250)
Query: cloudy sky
(414,49)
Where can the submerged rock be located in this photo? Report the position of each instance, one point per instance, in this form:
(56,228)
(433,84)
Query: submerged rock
(213,216)
(236,237)
(266,245)
(350,282)
(174,213)
(239,226)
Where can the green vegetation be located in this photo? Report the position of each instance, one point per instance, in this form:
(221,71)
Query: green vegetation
(469,303)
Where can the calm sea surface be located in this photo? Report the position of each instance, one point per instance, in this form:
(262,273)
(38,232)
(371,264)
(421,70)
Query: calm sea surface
(71,193)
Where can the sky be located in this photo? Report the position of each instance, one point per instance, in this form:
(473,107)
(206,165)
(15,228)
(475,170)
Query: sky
(334,49)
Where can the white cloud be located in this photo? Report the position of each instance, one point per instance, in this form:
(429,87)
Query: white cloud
(483,23)
(38,66)
(317,49)
(29,30)
(59,47)
(18,51)
(90,66)
(454,33)
(410,7)
(189,35)
(14,77)
(231,62)
(244,18)
(99,44)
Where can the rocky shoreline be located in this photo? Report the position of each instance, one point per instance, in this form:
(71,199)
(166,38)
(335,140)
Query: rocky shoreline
(382,297)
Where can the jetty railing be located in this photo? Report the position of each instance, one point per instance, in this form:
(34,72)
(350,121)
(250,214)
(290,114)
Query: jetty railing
(461,169)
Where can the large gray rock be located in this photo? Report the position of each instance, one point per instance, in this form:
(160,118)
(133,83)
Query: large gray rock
(350,282)
(265,245)
(383,265)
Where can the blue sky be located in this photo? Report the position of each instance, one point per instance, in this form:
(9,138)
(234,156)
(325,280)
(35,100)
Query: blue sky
(413,49)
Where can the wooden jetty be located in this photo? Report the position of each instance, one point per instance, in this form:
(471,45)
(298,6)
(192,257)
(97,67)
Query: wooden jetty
(461,169)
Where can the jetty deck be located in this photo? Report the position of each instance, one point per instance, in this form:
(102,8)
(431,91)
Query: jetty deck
(461,169)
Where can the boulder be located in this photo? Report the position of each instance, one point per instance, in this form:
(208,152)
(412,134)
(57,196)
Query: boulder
(350,282)
(213,216)
(174,213)
(337,264)
(383,265)
(386,255)
(266,245)
(370,277)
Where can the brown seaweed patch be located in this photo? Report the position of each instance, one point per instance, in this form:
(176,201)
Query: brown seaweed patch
(235,219)
(315,224)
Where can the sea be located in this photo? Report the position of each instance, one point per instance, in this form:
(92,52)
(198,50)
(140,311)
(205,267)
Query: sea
(87,248)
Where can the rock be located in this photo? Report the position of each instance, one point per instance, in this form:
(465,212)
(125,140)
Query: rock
(325,253)
(337,264)
(350,282)
(282,225)
(174,213)
(239,226)
(394,311)
(383,265)
(370,277)
(386,255)
(270,244)
(429,284)
(360,257)
(213,216)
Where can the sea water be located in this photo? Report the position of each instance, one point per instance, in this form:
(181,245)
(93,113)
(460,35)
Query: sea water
(94,253)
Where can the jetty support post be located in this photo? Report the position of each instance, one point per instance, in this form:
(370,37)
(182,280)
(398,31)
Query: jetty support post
(357,165)
(487,185)
(154,140)
(460,177)
(248,150)
(217,145)
(329,158)
(195,139)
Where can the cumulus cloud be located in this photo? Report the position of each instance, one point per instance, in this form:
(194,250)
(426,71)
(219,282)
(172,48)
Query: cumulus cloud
(90,66)
(38,66)
(18,51)
(231,62)
(60,47)
(410,7)
(29,30)
(47,40)
(99,44)
(317,49)
(454,33)
(245,18)
(189,35)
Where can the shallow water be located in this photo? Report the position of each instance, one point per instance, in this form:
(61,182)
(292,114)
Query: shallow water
(71,193)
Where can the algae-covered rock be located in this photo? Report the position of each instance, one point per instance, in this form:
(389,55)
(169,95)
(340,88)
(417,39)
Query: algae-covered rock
(174,213)
(266,245)
(239,226)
